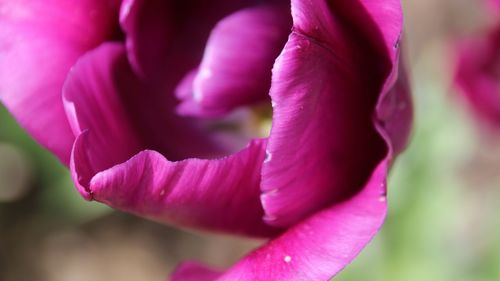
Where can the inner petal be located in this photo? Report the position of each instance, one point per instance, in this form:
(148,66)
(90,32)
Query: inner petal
(237,62)
(168,36)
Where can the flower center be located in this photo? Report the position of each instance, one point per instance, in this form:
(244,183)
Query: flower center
(228,92)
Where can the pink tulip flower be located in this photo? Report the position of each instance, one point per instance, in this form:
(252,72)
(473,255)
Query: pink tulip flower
(121,93)
(477,73)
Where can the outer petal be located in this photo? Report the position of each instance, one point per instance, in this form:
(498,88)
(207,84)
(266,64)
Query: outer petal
(236,67)
(394,112)
(39,42)
(317,248)
(98,115)
(220,194)
(335,67)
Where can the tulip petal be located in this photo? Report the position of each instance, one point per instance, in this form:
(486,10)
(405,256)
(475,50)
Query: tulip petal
(220,194)
(113,163)
(97,113)
(477,75)
(381,22)
(324,141)
(395,112)
(236,66)
(149,32)
(317,248)
(165,35)
(36,53)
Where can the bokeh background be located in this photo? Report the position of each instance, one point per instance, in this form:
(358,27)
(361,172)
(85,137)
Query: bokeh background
(444,192)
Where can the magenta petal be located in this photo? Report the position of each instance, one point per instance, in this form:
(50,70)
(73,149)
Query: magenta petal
(395,112)
(169,36)
(380,21)
(387,22)
(477,75)
(322,143)
(326,85)
(221,194)
(39,42)
(236,66)
(319,247)
(189,106)
(148,26)
(97,114)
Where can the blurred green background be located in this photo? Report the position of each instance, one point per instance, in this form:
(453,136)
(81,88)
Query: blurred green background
(444,193)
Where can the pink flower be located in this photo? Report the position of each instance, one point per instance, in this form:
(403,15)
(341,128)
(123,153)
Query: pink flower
(105,99)
(477,72)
